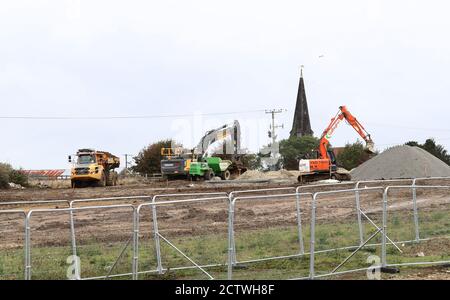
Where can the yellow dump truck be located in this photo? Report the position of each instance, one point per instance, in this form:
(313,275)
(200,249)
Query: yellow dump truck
(94,168)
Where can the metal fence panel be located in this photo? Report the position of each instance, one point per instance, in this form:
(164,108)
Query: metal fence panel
(190,237)
(102,238)
(268,241)
(334,235)
(427,239)
(12,241)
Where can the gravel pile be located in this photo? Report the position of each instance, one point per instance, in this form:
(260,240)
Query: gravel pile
(401,162)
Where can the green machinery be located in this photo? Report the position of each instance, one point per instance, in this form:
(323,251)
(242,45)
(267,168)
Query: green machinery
(213,166)
(218,154)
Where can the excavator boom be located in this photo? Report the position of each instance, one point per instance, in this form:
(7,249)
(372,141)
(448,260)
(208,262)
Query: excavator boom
(325,164)
(343,113)
(224,140)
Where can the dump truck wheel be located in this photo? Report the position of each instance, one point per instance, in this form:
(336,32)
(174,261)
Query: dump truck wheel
(74,184)
(115,180)
(209,175)
(226,175)
(102,181)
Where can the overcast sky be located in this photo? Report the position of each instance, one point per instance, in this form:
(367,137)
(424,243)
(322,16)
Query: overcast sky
(388,61)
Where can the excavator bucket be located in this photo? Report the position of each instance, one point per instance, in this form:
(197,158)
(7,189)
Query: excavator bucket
(370,147)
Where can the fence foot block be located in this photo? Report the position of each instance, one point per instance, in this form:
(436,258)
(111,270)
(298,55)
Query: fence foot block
(389,270)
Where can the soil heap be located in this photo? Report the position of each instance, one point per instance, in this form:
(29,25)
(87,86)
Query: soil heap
(401,162)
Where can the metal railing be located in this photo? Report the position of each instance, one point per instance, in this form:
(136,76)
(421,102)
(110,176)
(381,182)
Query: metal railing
(232,260)
(20,214)
(277,194)
(416,222)
(157,235)
(28,246)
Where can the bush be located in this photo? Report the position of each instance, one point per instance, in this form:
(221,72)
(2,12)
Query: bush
(435,149)
(5,169)
(17,177)
(294,148)
(148,161)
(352,156)
(8,174)
(251,161)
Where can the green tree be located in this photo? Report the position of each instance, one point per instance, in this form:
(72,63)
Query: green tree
(293,148)
(413,144)
(251,161)
(5,169)
(435,149)
(148,161)
(352,155)
(17,177)
(9,174)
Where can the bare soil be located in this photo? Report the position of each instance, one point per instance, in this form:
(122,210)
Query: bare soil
(115,224)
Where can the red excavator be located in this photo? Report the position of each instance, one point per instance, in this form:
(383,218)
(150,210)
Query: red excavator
(323,165)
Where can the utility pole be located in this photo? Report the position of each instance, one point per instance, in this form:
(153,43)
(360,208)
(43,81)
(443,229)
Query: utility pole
(273,126)
(126,162)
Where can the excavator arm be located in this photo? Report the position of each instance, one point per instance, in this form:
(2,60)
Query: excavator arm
(343,113)
(223,140)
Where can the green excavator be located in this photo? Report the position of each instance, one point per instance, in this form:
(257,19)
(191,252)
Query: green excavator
(218,154)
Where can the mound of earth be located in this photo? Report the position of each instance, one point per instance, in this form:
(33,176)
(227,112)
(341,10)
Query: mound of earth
(401,162)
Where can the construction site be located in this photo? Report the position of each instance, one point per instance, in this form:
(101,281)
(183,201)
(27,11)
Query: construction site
(301,205)
(208,216)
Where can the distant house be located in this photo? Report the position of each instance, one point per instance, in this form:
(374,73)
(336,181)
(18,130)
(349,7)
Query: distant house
(47,174)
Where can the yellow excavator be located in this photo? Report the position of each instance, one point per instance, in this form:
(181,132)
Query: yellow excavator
(94,168)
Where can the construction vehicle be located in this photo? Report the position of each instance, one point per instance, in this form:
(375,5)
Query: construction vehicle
(323,165)
(94,168)
(218,154)
(175,163)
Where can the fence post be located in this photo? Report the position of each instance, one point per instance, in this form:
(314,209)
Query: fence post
(156,236)
(299,224)
(383,237)
(312,238)
(230,240)
(73,240)
(233,242)
(27,247)
(358,214)
(416,215)
(134,266)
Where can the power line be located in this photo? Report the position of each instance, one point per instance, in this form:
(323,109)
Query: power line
(126,117)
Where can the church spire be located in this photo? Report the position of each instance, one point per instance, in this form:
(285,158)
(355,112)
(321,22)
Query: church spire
(301,125)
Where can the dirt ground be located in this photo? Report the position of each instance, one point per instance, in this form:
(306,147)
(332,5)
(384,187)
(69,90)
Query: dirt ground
(114,224)
(410,273)
(197,219)
(430,273)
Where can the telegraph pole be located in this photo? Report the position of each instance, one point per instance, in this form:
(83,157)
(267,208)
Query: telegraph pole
(273,126)
(126,162)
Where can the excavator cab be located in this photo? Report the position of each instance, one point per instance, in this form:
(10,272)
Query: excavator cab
(333,163)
